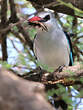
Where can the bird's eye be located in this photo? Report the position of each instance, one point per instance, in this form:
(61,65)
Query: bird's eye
(47,17)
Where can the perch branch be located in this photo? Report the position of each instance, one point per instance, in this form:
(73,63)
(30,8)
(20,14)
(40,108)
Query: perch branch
(74,72)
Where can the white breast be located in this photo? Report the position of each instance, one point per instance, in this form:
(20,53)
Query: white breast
(51,49)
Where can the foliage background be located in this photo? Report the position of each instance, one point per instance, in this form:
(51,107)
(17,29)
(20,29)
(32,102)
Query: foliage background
(16,45)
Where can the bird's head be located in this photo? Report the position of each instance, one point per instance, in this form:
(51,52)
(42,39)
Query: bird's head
(43,20)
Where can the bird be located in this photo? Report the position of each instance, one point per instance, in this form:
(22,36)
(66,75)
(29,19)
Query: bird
(52,46)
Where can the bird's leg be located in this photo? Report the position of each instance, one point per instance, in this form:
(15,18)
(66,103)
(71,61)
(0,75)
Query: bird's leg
(60,68)
(55,73)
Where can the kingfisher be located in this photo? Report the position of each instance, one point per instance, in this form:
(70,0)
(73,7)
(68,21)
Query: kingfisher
(52,46)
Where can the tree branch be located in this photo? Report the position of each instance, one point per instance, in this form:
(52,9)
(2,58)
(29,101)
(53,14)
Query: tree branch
(13,18)
(26,36)
(74,72)
(2,26)
(63,6)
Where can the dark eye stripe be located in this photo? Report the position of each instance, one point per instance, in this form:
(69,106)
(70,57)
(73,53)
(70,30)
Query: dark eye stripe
(47,17)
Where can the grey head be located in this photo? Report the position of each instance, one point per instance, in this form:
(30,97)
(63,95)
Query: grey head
(44,19)
(48,18)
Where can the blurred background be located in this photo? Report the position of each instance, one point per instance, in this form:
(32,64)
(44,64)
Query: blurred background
(16,40)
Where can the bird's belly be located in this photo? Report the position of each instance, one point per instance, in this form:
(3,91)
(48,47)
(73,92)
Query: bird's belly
(53,59)
(51,55)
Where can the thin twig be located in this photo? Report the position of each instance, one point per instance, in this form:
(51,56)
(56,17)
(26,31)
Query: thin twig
(12,25)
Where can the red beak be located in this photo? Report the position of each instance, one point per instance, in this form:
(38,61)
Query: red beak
(35,18)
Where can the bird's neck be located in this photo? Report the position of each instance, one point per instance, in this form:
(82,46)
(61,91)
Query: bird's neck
(50,28)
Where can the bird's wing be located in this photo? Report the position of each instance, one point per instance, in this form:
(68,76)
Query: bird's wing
(35,46)
(70,46)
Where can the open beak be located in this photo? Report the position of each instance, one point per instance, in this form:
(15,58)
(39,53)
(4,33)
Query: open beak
(37,21)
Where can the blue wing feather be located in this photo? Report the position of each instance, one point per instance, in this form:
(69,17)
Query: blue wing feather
(70,45)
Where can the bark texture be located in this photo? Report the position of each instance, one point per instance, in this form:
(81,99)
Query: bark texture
(19,94)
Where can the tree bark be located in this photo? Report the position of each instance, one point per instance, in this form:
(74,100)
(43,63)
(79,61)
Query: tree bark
(2,26)
(19,94)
